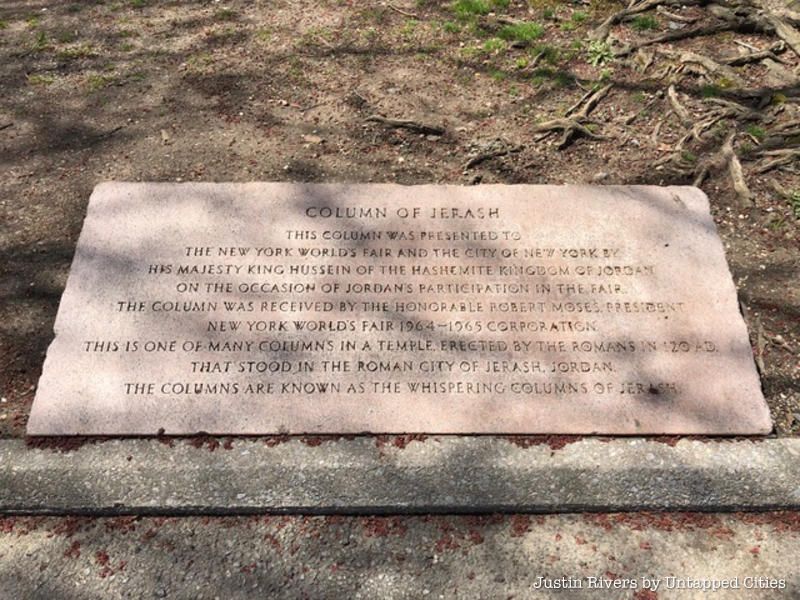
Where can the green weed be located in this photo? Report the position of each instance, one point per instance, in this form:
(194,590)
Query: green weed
(75,52)
(470,8)
(41,42)
(226,14)
(794,202)
(599,53)
(494,45)
(522,32)
(97,82)
(644,22)
(36,79)
(579,16)
(451,27)
(757,132)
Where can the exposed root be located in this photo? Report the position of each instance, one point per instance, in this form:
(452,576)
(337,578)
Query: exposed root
(779,158)
(493,149)
(736,173)
(784,30)
(758,55)
(575,119)
(681,34)
(634,8)
(407,124)
(677,107)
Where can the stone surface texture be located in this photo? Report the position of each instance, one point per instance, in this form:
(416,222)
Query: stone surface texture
(397,474)
(616,557)
(297,308)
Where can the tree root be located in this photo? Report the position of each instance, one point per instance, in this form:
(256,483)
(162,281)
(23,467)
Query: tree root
(575,119)
(494,149)
(407,124)
(678,108)
(782,157)
(634,8)
(681,34)
(758,55)
(735,172)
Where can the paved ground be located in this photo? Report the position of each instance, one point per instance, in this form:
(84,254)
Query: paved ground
(402,557)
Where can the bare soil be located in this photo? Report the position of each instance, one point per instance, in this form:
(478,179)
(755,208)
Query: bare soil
(277,90)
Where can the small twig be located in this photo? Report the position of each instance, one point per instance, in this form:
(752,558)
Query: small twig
(403,12)
(407,124)
(5,126)
(107,134)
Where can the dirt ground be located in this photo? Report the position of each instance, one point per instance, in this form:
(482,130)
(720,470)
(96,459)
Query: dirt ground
(496,91)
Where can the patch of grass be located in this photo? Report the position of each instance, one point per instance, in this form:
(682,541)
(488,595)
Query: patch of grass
(559,78)
(568,26)
(469,52)
(199,60)
(41,42)
(263,34)
(451,27)
(579,16)
(522,32)
(75,52)
(757,132)
(549,53)
(226,14)
(794,202)
(710,91)
(408,28)
(522,62)
(688,157)
(497,74)
(644,22)
(599,53)
(138,3)
(3,24)
(37,79)
(639,97)
(494,45)
(33,22)
(96,82)
(471,8)
(66,37)
(548,14)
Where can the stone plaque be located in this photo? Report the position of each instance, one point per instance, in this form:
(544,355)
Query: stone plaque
(293,308)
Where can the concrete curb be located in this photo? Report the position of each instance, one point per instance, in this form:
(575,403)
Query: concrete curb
(442,474)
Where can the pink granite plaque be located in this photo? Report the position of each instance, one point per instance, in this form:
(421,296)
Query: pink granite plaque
(297,308)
